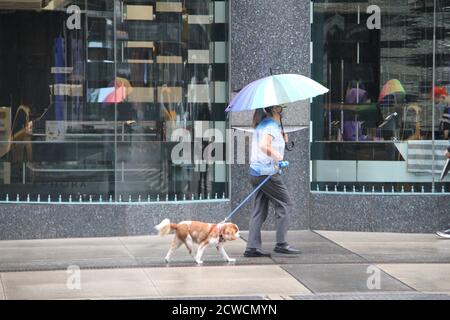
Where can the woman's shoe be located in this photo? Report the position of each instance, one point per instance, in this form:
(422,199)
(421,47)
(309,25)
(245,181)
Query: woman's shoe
(253,253)
(444,234)
(286,249)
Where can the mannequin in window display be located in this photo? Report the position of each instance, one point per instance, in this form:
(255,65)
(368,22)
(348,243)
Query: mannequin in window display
(355,94)
(192,97)
(197,108)
(169,112)
(442,102)
(168,106)
(200,111)
(203,115)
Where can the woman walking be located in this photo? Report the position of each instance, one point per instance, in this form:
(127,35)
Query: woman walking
(268,146)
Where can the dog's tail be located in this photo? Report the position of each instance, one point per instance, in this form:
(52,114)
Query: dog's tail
(165,227)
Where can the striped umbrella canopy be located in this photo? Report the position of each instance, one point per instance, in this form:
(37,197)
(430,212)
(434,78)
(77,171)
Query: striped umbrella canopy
(393,88)
(275,90)
(122,88)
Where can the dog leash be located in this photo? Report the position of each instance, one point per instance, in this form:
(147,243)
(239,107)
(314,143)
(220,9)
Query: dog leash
(281,165)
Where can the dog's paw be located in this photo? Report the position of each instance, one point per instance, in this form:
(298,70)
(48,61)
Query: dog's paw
(199,262)
(231,260)
(166,260)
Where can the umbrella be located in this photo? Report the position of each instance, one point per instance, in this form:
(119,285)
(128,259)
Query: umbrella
(275,90)
(120,90)
(392,89)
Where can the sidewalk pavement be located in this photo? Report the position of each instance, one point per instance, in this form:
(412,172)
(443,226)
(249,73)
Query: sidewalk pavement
(332,265)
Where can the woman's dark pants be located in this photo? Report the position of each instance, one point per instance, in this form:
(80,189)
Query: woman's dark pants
(274,190)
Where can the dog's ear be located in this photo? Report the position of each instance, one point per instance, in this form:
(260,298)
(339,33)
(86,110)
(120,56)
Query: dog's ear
(232,229)
(228,229)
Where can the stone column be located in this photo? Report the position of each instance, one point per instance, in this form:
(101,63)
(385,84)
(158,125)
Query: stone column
(273,34)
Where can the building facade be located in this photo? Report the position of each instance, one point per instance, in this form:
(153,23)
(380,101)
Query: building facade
(98,96)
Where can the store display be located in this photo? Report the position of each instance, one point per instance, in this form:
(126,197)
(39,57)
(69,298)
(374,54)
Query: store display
(5,129)
(105,99)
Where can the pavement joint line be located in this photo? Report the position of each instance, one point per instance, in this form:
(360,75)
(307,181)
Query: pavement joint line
(152,282)
(182,265)
(341,246)
(3,286)
(143,266)
(368,261)
(405,284)
(128,250)
(274,296)
(303,284)
(79,259)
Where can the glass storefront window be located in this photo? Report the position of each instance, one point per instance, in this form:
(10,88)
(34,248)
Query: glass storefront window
(91,93)
(377,130)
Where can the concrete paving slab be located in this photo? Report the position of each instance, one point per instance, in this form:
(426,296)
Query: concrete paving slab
(54,250)
(322,278)
(422,277)
(95,284)
(314,249)
(230,280)
(393,247)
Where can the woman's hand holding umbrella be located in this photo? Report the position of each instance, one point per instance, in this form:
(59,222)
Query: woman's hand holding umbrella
(286,138)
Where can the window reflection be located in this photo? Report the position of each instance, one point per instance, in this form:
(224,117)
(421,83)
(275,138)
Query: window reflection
(90,112)
(375,128)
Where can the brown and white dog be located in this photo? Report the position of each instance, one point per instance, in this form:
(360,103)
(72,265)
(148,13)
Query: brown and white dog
(201,233)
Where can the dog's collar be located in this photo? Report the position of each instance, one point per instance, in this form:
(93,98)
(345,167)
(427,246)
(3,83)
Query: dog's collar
(219,229)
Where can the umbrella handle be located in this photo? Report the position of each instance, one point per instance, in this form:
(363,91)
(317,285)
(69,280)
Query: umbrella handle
(290,145)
